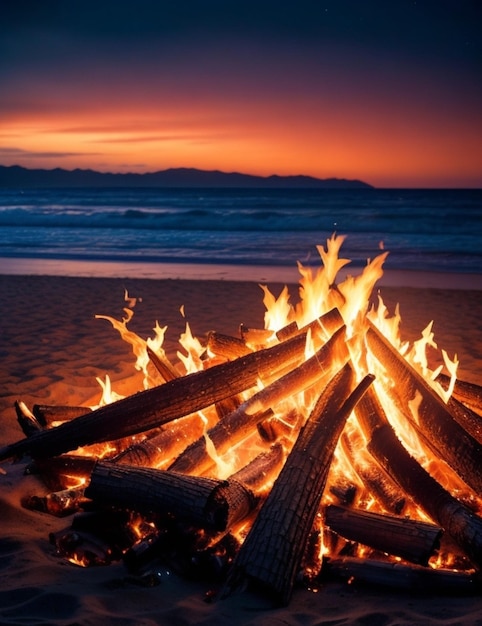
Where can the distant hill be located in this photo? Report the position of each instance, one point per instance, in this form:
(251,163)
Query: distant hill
(16,176)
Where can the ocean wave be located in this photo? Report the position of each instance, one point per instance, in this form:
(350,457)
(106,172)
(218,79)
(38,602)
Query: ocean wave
(250,220)
(422,230)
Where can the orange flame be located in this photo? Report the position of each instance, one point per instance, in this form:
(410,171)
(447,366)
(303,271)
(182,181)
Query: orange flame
(318,293)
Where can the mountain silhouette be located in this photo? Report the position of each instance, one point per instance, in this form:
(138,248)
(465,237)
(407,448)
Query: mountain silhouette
(16,176)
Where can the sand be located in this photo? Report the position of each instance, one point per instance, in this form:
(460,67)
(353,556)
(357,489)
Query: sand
(52,348)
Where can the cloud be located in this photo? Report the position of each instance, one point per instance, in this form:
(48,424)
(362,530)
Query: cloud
(13,152)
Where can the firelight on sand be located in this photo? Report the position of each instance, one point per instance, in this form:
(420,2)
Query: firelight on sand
(267,434)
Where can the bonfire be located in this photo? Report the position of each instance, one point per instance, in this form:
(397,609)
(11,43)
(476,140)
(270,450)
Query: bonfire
(316,448)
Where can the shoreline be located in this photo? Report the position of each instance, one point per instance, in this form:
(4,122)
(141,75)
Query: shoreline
(224,272)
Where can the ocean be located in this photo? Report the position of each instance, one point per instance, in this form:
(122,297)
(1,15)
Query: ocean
(423,230)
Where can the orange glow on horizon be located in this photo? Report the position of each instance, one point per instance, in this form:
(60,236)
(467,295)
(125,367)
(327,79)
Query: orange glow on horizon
(380,146)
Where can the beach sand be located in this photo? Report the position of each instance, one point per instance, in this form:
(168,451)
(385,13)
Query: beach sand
(52,348)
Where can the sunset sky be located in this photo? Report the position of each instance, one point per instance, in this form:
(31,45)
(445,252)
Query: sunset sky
(386,91)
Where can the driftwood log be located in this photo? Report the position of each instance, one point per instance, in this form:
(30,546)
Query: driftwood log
(262,470)
(320,328)
(226,346)
(272,552)
(152,408)
(412,540)
(446,438)
(236,426)
(206,502)
(165,445)
(209,503)
(48,413)
(413,578)
(57,503)
(464,391)
(456,519)
(469,419)
(162,364)
(374,479)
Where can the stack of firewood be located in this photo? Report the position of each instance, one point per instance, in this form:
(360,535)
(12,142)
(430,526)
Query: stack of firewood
(157,494)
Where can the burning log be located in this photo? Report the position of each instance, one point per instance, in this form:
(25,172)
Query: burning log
(162,364)
(153,407)
(288,331)
(414,578)
(202,555)
(321,328)
(206,502)
(227,346)
(375,480)
(27,420)
(234,427)
(469,394)
(261,470)
(164,446)
(59,472)
(257,337)
(272,552)
(456,519)
(46,414)
(412,540)
(58,503)
(344,491)
(467,418)
(95,538)
(440,430)
(379,484)
(273,428)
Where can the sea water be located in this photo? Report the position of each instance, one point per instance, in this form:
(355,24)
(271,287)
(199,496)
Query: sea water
(423,230)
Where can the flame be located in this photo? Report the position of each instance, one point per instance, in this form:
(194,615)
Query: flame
(278,310)
(194,349)
(319,292)
(108,394)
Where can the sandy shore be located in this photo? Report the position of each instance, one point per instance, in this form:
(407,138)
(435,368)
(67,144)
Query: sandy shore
(52,348)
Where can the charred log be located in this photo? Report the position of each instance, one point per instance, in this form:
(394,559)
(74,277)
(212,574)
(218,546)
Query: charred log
(227,346)
(57,503)
(154,407)
(344,491)
(376,481)
(60,472)
(234,427)
(162,364)
(322,328)
(273,550)
(467,418)
(466,392)
(440,430)
(47,414)
(412,540)
(413,578)
(456,519)
(27,420)
(165,446)
(262,469)
(257,338)
(273,428)
(206,502)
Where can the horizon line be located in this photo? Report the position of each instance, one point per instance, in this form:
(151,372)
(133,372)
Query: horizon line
(267,177)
